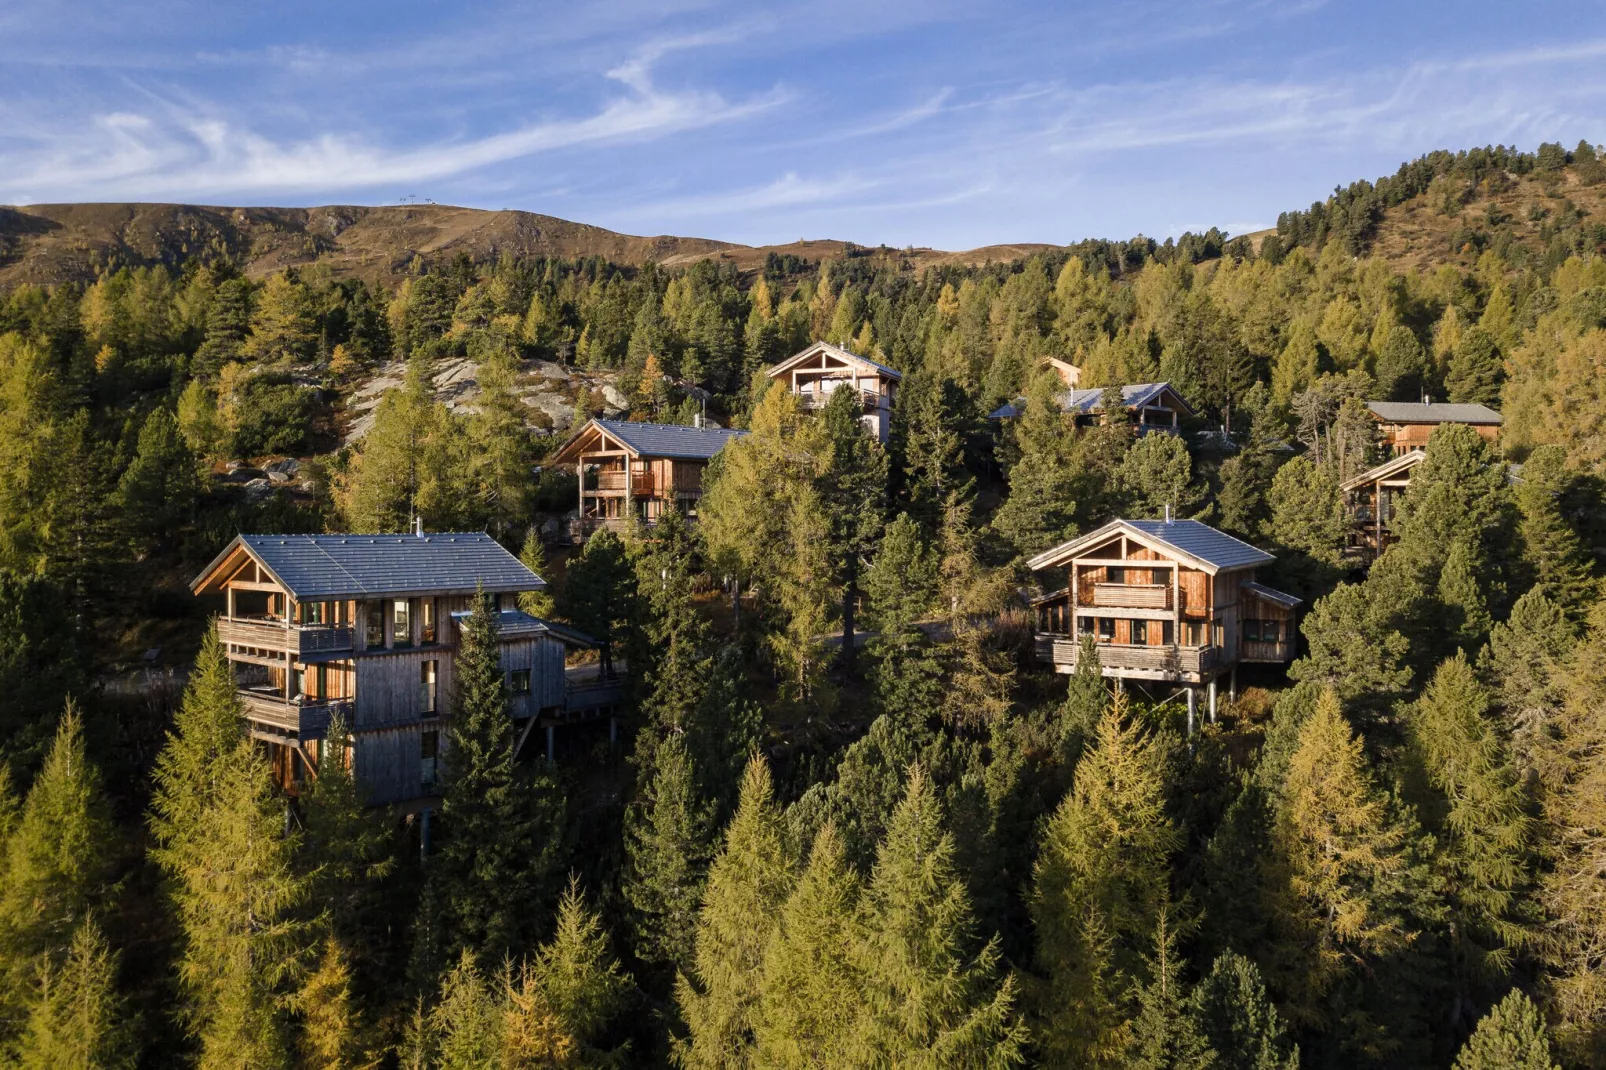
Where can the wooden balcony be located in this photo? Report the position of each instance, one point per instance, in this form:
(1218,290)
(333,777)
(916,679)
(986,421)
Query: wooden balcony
(643,485)
(1132,595)
(811,399)
(303,719)
(272,635)
(1167,662)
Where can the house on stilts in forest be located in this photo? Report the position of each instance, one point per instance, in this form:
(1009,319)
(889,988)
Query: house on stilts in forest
(815,374)
(1167,601)
(365,628)
(628,469)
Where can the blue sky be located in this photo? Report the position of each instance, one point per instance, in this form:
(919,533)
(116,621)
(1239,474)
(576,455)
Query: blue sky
(945,124)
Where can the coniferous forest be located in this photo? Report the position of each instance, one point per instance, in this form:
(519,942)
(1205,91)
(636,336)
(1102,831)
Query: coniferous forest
(848,821)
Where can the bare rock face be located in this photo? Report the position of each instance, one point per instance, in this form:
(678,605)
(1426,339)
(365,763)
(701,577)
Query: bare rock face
(546,388)
(615,398)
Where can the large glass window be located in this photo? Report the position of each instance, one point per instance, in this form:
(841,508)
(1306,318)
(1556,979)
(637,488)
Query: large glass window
(1107,629)
(401,623)
(1140,631)
(519,681)
(428,688)
(427,755)
(374,632)
(426,621)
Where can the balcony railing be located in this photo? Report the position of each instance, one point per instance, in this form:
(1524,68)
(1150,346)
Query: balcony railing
(1169,659)
(643,486)
(1132,595)
(818,399)
(306,719)
(273,635)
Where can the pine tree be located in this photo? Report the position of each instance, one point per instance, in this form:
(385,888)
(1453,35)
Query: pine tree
(1401,368)
(53,866)
(1239,1019)
(811,993)
(1550,547)
(1307,511)
(1041,509)
(582,983)
(501,452)
(159,488)
(902,580)
(748,882)
(598,595)
(331,1026)
(533,557)
(1158,472)
(1461,593)
(929,444)
(1352,646)
(929,999)
(236,894)
(853,493)
(1167,1033)
(465,1026)
(1479,812)
(206,731)
(1341,875)
(1510,1037)
(806,598)
(1100,883)
(1086,700)
(1525,662)
(284,325)
(76,1021)
(348,853)
(726,728)
(1475,371)
(501,830)
(669,838)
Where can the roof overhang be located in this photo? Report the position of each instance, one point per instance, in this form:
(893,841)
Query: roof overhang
(212,577)
(1391,467)
(1068,551)
(570,451)
(837,352)
(1270,594)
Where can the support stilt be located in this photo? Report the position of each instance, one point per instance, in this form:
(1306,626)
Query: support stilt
(1193,702)
(423,834)
(613,730)
(1232,685)
(551,743)
(1212,700)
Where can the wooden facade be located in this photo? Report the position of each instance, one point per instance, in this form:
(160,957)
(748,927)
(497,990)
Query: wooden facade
(1150,407)
(384,664)
(628,469)
(1175,603)
(1371,498)
(818,372)
(1407,426)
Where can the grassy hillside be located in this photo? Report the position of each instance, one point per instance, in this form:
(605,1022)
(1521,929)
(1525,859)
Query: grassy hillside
(48,243)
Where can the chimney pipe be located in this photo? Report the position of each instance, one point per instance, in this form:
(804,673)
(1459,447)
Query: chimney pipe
(418,526)
(1168,512)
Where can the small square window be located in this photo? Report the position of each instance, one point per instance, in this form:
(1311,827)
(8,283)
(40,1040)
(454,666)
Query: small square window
(1107,629)
(518,681)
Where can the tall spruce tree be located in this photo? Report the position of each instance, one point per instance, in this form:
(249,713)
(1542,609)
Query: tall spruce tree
(1479,813)
(1525,662)
(669,842)
(598,596)
(812,994)
(1100,883)
(1551,548)
(533,557)
(1166,1032)
(748,882)
(579,978)
(931,998)
(853,492)
(53,868)
(77,1021)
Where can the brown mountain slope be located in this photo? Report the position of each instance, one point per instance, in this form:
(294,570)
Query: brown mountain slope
(46,243)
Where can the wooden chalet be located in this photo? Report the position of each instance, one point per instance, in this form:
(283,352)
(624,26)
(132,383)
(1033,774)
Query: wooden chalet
(1370,500)
(365,627)
(638,469)
(822,369)
(1168,601)
(1150,407)
(1406,425)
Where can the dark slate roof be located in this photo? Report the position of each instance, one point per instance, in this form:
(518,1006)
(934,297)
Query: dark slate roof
(1270,594)
(314,567)
(1416,412)
(1135,396)
(670,440)
(1203,542)
(515,623)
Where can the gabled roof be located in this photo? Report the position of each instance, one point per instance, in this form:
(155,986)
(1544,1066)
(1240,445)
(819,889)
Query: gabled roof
(1394,466)
(1086,401)
(839,353)
(331,567)
(653,440)
(1276,597)
(1417,412)
(1200,544)
(517,624)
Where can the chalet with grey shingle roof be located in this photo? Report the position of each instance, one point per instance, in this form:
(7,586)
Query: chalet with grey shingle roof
(1165,601)
(628,469)
(1406,425)
(364,629)
(1149,406)
(815,374)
